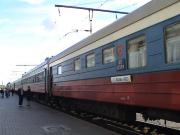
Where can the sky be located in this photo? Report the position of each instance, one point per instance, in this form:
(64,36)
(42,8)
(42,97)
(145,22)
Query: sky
(32,30)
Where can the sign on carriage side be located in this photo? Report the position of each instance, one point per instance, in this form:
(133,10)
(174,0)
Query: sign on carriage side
(119,79)
(120,59)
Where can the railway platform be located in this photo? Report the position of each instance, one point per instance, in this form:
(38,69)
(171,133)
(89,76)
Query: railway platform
(42,120)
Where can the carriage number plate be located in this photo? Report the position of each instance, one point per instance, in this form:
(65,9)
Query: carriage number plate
(119,79)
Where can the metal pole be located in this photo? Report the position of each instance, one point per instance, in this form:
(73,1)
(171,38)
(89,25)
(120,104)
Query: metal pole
(26,65)
(90,20)
(90,12)
(92,9)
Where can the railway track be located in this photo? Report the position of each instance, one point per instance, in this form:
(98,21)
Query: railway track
(123,128)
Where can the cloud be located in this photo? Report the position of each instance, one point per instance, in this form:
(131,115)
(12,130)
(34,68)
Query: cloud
(39,31)
(48,24)
(4,21)
(33,1)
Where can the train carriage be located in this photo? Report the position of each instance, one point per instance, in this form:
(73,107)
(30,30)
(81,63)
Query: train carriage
(16,84)
(130,66)
(36,79)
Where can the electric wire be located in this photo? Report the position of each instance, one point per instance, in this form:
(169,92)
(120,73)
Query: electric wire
(85,18)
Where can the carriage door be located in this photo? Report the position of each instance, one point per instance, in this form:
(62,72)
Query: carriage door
(45,81)
(50,81)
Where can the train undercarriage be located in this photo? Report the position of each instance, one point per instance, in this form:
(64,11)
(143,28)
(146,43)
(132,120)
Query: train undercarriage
(110,110)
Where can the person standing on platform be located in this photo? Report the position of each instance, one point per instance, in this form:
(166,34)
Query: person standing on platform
(12,92)
(28,96)
(2,93)
(7,92)
(20,94)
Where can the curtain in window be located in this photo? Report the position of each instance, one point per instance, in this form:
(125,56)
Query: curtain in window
(173,43)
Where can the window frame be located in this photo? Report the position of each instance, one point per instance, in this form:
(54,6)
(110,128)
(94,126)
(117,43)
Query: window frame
(165,42)
(94,60)
(79,64)
(127,53)
(111,47)
(59,73)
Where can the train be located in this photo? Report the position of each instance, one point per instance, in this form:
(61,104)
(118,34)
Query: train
(130,66)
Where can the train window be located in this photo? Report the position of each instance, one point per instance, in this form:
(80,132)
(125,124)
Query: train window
(59,70)
(108,55)
(137,52)
(90,60)
(77,64)
(172,35)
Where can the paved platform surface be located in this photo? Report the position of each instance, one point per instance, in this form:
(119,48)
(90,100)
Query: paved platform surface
(41,120)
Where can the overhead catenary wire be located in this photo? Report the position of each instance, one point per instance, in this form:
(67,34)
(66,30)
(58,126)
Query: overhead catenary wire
(90,16)
(91,3)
